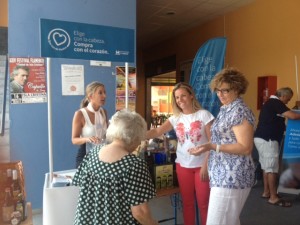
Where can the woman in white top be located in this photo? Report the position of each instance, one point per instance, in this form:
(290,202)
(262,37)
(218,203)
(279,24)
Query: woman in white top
(90,122)
(192,125)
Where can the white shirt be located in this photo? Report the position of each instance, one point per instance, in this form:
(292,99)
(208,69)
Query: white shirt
(190,132)
(89,129)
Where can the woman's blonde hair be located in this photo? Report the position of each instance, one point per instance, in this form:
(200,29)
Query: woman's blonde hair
(89,90)
(176,109)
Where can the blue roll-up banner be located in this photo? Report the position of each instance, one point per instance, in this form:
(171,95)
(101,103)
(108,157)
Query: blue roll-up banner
(208,61)
(289,180)
(61,39)
(291,149)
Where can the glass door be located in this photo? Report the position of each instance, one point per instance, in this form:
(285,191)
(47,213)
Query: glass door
(161,87)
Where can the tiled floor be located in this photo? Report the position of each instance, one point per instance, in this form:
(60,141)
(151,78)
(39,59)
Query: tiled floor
(37,218)
(257,211)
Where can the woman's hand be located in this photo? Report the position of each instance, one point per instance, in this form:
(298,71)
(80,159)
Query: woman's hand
(94,140)
(142,214)
(204,173)
(200,149)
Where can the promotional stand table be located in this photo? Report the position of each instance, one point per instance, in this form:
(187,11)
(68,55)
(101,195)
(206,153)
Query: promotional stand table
(59,203)
(174,193)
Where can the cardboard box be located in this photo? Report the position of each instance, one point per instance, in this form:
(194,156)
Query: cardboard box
(17,165)
(163,176)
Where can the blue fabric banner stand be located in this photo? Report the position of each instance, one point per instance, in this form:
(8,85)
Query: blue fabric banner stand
(291,159)
(292,141)
(208,61)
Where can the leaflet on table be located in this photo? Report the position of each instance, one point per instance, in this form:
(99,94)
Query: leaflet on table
(62,179)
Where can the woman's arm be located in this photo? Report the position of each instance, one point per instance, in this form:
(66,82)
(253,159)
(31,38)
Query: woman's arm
(207,129)
(244,136)
(204,169)
(156,132)
(196,150)
(77,125)
(106,118)
(244,145)
(142,214)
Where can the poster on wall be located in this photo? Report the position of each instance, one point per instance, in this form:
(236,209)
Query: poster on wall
(27,80)
(72,77)
(121,88)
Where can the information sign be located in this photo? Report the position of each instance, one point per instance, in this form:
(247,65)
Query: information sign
(61,39)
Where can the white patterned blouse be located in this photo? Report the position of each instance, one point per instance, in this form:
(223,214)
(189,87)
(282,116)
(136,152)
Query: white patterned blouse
(230,170)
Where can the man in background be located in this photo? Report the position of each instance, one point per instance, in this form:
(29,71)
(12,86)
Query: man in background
(19,78)
(267,139)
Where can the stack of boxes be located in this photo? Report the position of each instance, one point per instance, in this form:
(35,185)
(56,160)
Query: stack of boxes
(161,164)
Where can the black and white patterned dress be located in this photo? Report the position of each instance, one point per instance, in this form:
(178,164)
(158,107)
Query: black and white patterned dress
(107,190)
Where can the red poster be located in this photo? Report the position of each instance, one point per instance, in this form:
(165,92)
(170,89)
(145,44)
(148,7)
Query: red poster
(27,80)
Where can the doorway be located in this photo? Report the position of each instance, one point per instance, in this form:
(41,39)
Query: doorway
(159,97)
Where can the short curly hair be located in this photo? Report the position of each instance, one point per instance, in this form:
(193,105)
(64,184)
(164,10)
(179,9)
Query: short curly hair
(231,76)
(128,127)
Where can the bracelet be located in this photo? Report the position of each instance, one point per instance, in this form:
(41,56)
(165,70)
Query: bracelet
(218,148)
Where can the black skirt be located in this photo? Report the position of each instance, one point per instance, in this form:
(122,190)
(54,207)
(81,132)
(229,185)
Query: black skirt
(80,154)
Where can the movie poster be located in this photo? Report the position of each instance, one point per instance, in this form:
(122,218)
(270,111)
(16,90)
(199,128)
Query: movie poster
(27,80)
(121,88)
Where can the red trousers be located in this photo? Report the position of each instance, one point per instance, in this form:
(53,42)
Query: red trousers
(189,185)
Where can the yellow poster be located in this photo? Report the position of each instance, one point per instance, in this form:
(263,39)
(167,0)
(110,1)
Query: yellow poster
(121,88)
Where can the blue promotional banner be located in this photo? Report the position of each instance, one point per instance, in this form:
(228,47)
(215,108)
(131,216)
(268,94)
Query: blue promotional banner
(208,61)
(291,148)
(61,39)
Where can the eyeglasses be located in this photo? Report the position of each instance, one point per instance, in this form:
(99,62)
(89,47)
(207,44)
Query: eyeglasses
(223,91)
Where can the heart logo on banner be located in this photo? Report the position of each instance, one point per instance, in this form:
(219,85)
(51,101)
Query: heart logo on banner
(59,39)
